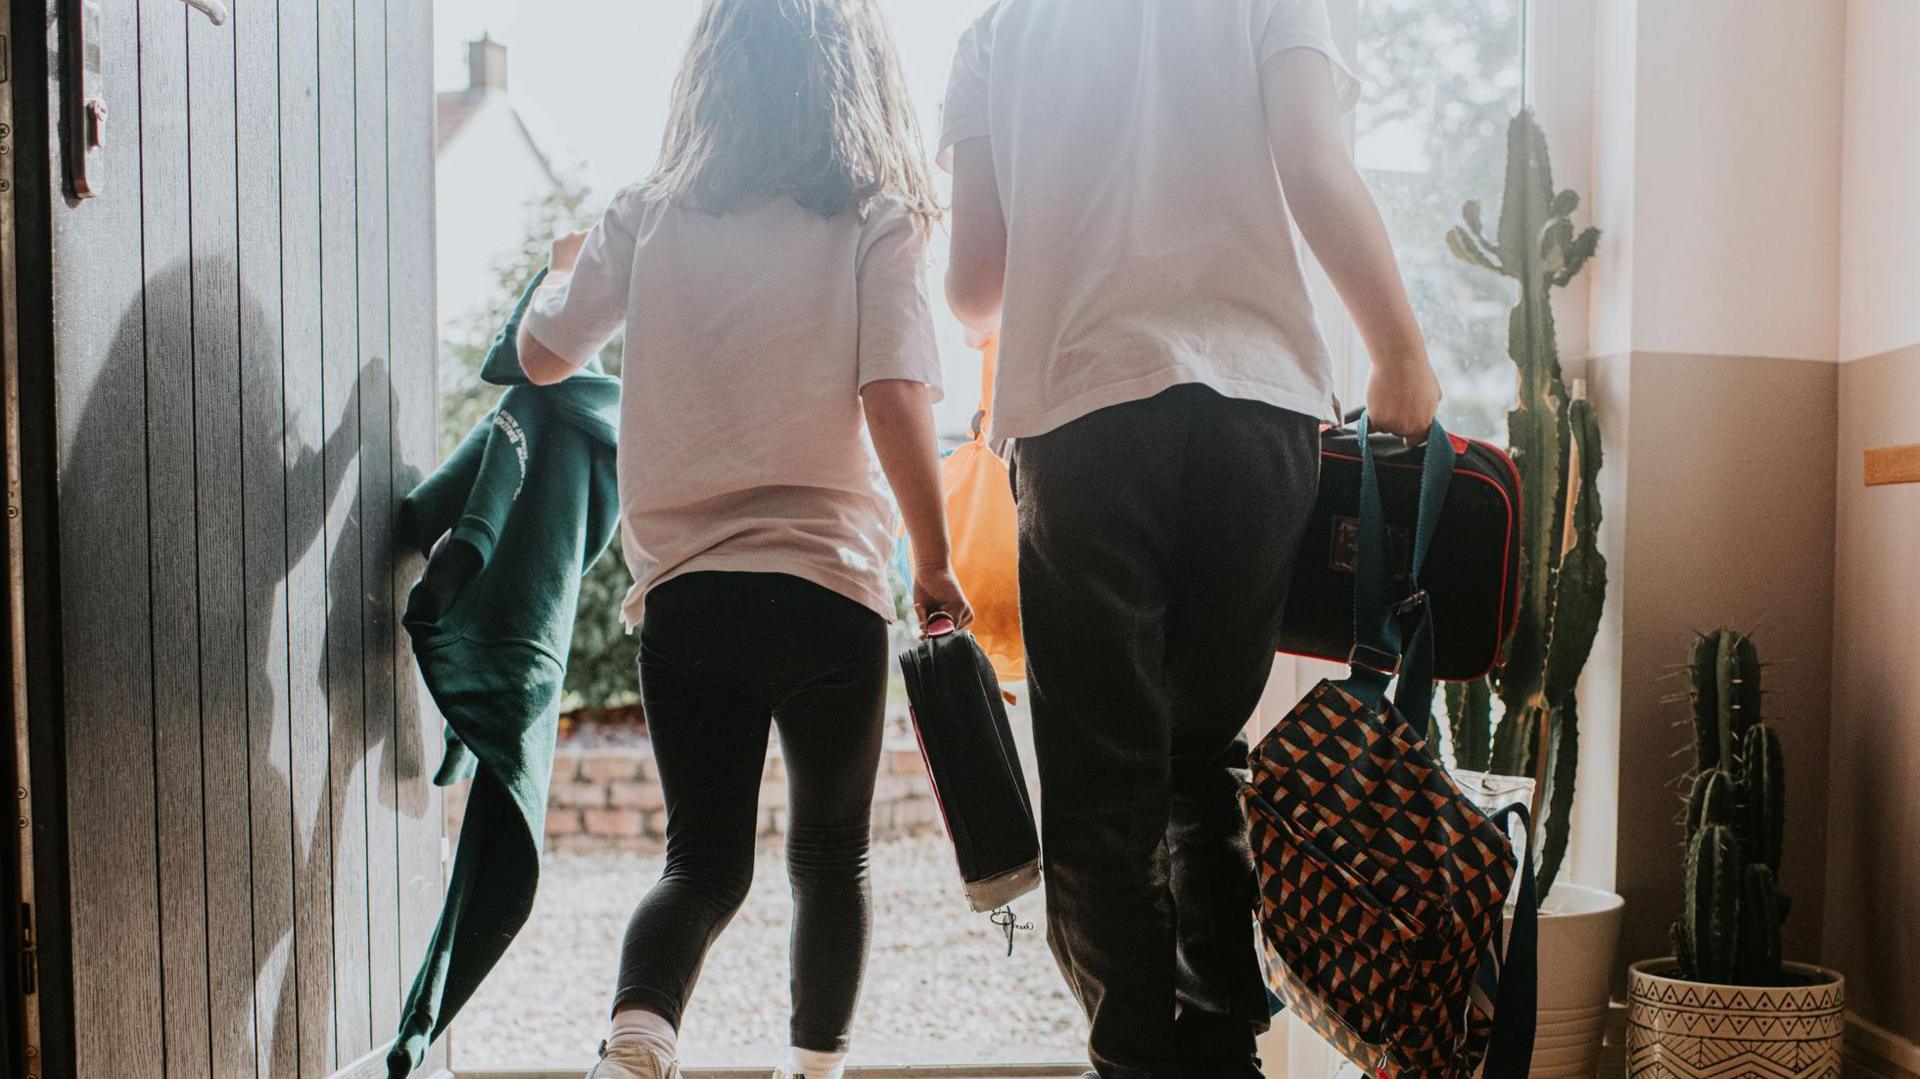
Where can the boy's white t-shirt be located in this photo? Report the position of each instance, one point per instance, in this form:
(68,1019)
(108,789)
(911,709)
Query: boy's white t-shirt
(749,336)
(1149,244)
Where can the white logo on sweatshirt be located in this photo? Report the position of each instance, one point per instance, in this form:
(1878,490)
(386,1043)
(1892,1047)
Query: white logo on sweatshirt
(511,428)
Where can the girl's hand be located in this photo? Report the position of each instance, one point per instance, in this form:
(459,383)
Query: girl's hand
(937,591)
(566,252)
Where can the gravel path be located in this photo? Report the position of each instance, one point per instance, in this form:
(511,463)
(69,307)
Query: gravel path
(940,987)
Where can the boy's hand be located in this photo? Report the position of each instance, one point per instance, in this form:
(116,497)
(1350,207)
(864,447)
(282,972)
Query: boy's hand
(937,591)
(566,252)
(1403,402)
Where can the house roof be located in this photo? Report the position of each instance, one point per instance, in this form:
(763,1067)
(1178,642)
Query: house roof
(454,109)
(451,113)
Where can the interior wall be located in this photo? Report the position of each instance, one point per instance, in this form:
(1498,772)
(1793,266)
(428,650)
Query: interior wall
(1737,177)
(1614,111)
(1725,527)
(1873,851)
(1873,855)
(1715,318)
(1880,205)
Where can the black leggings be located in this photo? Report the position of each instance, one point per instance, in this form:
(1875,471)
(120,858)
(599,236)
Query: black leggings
(721,655)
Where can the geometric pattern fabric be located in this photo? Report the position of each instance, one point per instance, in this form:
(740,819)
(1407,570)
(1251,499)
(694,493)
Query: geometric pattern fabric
(1381,888)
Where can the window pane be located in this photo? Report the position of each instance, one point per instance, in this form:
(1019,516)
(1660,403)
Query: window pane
(1442,79)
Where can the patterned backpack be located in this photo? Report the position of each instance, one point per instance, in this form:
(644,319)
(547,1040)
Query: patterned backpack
(1381,884)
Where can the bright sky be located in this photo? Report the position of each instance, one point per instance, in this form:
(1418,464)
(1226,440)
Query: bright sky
(591,78)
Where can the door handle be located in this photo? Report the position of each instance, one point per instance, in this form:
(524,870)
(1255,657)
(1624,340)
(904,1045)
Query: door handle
(215,10)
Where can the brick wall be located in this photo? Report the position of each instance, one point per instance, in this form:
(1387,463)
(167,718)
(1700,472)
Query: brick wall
(610,800)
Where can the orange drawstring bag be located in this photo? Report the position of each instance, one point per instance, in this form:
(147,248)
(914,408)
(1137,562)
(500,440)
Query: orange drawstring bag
(985,536)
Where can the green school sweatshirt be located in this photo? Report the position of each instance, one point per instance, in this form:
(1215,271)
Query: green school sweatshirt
(526,505)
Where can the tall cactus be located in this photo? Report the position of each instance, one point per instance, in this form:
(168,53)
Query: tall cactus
(1729,927)
(1555,442)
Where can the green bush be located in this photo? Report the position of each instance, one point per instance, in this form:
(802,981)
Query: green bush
(600,672)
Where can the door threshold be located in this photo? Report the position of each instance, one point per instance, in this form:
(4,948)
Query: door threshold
(939,1071)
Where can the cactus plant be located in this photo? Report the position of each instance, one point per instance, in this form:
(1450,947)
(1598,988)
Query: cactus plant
(1709,929)
(1729,927)
(1555,442)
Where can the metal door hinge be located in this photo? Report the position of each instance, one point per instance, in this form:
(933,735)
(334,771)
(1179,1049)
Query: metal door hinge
(83,91)
(29,953)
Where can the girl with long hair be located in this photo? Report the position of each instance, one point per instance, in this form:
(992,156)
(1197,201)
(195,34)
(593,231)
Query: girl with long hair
(770,278)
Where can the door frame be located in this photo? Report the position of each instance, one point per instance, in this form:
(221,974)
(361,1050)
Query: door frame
(36,1029)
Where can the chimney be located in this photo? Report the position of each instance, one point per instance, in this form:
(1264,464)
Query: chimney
(486,66)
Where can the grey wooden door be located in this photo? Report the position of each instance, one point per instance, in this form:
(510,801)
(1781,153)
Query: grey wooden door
(241,346)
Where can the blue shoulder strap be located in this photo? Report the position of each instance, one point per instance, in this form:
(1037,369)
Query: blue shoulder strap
(1380,650)
(1515,973)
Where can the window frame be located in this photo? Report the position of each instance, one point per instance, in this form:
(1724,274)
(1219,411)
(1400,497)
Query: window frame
(1558,67)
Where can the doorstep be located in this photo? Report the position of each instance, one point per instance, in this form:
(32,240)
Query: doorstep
(930,1072)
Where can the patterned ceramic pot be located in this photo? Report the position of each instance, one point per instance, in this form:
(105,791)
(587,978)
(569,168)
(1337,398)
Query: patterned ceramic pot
(1682,1030)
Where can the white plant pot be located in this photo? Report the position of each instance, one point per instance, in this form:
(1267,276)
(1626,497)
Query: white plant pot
(1579,934)
(1679,1029)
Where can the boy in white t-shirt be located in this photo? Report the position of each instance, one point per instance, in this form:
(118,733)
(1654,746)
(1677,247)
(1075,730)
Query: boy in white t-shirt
(1123,176)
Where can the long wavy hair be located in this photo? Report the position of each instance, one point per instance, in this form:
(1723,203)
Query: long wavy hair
(795,98)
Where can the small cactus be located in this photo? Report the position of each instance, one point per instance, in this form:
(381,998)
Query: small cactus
(1710,919)
(1759,926)
(1713,801)
(1729,927)
(1763,786)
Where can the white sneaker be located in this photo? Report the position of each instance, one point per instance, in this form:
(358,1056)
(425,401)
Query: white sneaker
(631,1062)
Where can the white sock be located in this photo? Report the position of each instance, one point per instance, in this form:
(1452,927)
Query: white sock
(640,1028)
(816,1065)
